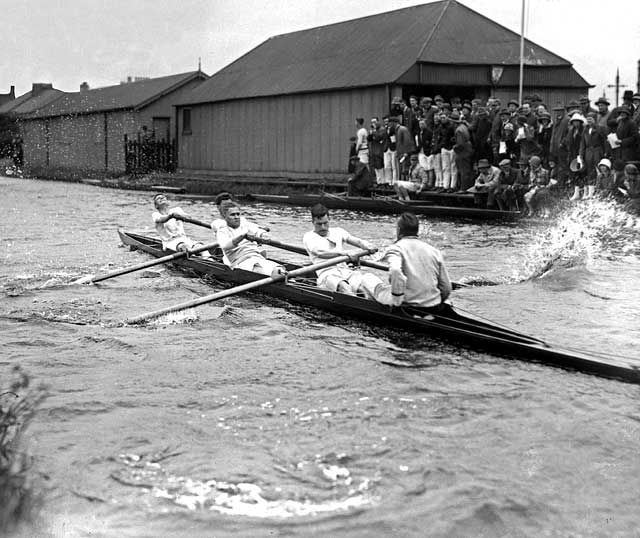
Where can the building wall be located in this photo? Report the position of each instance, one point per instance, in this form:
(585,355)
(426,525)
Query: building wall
(77,146)
(303,134)
(164,108)
(549,96)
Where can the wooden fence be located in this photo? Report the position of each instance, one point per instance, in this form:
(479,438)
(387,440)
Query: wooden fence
(143,155)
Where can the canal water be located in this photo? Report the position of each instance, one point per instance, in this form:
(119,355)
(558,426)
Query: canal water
(264,419)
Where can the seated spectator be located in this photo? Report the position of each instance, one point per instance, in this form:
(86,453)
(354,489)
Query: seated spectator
(486,182)
(632,186)
(504,193)
(417,180)
(605,179)
(537,197)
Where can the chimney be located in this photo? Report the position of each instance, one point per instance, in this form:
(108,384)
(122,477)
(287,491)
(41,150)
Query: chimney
(84,87)
(38,87)
(12,92)
(128,79)
(637,84)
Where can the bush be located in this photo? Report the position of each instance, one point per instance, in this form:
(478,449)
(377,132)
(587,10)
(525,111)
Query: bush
(18,405)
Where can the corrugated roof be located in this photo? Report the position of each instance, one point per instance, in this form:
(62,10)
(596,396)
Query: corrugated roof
(26,104)
(131,95)
(369,51)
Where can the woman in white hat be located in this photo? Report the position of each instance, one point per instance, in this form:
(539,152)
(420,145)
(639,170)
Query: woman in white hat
(571,144)
(605,179)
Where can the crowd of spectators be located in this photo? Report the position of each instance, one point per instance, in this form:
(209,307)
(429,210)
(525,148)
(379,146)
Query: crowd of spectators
(514,156)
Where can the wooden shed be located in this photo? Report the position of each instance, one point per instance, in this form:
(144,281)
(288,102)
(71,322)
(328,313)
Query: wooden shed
(82,134)
(287,107)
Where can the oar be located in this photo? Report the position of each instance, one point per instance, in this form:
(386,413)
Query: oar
(205,224)
(90,279)
(364,263)
(249,286)
(303,251)
(197,222)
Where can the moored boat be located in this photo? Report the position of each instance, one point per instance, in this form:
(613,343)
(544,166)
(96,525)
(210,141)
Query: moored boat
(386,204)
(450,326)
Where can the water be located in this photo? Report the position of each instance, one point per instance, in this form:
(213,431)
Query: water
(256,418)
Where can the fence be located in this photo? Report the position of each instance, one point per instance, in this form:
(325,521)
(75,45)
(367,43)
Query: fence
(143,155)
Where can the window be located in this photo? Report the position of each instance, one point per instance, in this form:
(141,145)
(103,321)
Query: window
(186,121)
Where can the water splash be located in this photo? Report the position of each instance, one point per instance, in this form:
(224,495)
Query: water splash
(243,498)
(592,229)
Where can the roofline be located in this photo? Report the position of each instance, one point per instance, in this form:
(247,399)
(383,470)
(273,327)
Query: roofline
(435,27)
(193,76)
(81,113)
(509,30)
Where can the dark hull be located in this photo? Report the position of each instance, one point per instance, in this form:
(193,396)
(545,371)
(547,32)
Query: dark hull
(386,205)
(454,328)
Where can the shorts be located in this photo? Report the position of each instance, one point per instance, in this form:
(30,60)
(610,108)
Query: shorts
(260,265)
(330,279)
(410,186)
(176,242)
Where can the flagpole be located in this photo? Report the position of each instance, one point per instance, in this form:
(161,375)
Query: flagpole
(521,54)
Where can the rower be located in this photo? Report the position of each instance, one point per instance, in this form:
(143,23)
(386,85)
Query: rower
(417,273)
(325,242)
(170,229)
(239,252)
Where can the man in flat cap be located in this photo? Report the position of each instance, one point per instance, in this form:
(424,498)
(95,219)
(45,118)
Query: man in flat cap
(602,116)
(557,152)
(585,105)
(627,133)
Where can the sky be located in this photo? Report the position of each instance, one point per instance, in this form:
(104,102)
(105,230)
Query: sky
(66,42)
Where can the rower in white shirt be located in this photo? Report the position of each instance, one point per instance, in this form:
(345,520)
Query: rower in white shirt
(239,252)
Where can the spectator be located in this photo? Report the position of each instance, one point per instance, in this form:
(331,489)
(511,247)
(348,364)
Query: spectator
(571,144)
(390,150)
(627,135)
(485,184)
(362,147)
(376,140)
(537,197)
(405,145)
(417,180)
(503,193)
(425,157)
(543,135)
(463,155)
(436,148)
(557,152)
(585,106)
(592,148)
(446,142)
(606,179)
(361,182)
(603,113)
(481,135)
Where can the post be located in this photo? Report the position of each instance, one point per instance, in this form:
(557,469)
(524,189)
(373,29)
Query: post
(521,54)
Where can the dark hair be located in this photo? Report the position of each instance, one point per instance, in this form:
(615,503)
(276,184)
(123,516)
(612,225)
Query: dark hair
(360,121)
(318,211)
(157,196)
(408,224)
(221,197)
(385,117)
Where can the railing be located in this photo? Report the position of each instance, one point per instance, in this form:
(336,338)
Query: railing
(146,154)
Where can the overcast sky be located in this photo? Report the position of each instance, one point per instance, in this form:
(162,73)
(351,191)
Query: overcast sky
(102,42)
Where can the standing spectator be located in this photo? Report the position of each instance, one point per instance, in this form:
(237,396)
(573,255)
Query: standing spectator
(425,143)
(409,118)
(512,107)
(543,135)
(415,107)
(603,113)
(571,144)
(557,152)
(428,111)
(463,155)
(436,148)
(390,150)
(508,148)
(481,135)
(376,139)
(627,134)
(592,152)
(447,141)
(530,117)
(636,106)
(405,146)
(362,147)
(585,106)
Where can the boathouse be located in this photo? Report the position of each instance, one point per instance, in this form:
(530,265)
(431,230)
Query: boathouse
(82,134)
(287,107)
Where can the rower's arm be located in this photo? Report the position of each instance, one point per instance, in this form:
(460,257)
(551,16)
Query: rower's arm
(444,282)
(360,243)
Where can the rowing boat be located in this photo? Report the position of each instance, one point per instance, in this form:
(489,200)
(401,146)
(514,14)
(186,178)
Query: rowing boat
(450,326)
(386,204)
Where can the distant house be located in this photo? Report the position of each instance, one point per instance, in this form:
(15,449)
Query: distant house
(82,134)
(288,106)
(6,97)
(13,109)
